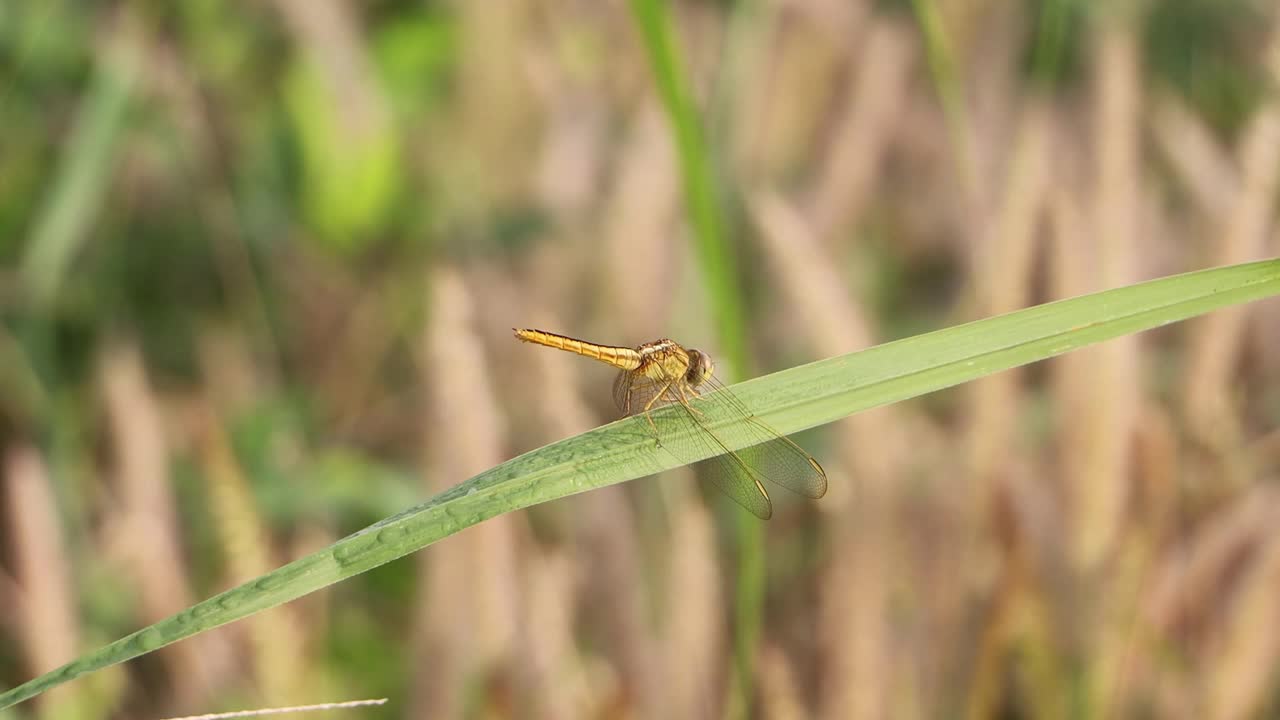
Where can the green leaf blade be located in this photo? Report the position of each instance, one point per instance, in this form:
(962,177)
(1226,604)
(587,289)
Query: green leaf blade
(790,401)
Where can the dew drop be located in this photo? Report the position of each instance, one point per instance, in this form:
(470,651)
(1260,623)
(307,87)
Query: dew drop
(392,535)
(202,610)
(149,639)
(353,550)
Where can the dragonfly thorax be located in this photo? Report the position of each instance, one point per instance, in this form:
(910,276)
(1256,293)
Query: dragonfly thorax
(666,361)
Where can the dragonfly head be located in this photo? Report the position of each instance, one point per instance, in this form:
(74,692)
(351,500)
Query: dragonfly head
(700,368)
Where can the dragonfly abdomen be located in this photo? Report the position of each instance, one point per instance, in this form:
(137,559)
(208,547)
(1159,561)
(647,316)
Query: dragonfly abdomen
(623,358)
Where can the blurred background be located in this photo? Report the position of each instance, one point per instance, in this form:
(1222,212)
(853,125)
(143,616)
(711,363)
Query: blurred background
(259,263)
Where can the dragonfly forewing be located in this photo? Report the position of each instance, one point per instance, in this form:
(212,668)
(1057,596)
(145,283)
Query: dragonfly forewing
(679,418)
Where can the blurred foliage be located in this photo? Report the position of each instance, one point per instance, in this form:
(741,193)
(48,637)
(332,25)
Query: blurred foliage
(159,257)
(1208,50)
(291,174)
(349,189)
(1054,52)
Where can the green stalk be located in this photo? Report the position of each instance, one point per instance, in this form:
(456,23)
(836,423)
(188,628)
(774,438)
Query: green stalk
(718,267)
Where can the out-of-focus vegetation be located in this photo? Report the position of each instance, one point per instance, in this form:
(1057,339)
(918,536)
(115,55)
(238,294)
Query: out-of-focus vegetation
(259,262)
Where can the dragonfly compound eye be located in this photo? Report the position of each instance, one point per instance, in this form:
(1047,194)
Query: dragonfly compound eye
(700,368)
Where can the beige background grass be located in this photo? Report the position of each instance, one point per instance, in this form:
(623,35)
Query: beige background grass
(355,223)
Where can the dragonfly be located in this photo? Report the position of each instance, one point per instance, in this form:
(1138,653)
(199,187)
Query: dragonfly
(665,374)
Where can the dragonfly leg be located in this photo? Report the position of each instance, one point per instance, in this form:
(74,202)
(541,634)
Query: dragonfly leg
(657,396)
(649,405)
(684,399)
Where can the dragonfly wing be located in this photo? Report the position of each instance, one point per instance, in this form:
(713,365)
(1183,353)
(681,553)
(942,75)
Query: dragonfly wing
(738,474)
(688,440)
(786,465)
(739,481)
(769,454)
(633,391)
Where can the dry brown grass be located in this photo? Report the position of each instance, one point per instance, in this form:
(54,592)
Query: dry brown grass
(1095,537)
